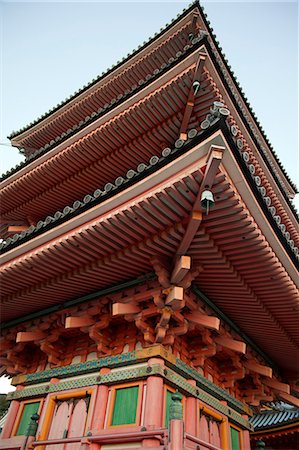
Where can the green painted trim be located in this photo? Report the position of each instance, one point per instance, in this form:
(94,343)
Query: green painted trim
(132,374)
(111,290)
(220,314)
(126,359)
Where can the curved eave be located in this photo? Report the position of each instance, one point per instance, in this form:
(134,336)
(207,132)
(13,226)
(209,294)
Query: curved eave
(233,245)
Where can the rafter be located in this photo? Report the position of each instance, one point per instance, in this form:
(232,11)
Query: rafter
(213,161)
(195,86)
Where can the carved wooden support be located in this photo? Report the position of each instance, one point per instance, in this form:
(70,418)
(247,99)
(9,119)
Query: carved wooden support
(175,297)
(281,387)
(258,368)
(78,321)
(30,336)
(207,349)
(119,309)
(233,372)
(204,320)
(146,330)
(52,354)
(181,268)
(161,271)
(231,344)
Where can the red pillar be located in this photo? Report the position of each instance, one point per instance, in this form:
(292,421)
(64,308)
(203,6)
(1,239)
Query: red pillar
(246,440)
(153,414)
(191,413)
(176,435)
(100,407)
(10,421)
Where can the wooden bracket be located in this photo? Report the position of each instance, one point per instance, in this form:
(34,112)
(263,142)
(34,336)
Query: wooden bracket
(175,298)
(282,387)
(204,320)
(78,321)
(191,96)
(119,309)
(232,344)
(258,368)
(30,336)
(181,268)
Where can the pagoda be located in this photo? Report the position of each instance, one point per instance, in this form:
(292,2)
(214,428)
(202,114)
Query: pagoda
(149,260)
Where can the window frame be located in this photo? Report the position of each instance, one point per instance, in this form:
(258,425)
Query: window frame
(235,427)
(21,410)
(138,415)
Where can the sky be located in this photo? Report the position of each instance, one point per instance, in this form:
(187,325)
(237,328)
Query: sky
(51,49)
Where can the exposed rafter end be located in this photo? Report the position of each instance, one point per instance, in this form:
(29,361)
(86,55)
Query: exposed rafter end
(258,368)
(232,344)
(30,336)
(78,322)
(182,266)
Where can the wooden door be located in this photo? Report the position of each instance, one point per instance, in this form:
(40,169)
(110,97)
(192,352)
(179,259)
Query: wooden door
(69,420)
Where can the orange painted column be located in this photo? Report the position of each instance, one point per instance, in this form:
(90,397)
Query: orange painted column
(176,435)
(100,407)
(10,421)
(191,413)
(246,440)
(153,414)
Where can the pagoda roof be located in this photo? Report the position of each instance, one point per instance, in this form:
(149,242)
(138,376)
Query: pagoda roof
(136,217)
(233,86)
(272,419)
(245,251)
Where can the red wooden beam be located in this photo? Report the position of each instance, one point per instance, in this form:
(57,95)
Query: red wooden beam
(78,322)
(213,161)
(175,298)
(180,269)
(30,336)
(204,320)
(258,368)
(119,309)
(282,387)
(232,344)
(191,96)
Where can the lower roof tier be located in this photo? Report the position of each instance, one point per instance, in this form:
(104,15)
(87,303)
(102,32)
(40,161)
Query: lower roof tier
(238,258)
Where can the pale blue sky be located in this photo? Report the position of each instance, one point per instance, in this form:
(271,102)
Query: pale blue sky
(51,49)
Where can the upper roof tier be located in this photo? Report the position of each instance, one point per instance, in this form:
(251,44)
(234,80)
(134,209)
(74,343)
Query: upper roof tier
(123,80)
